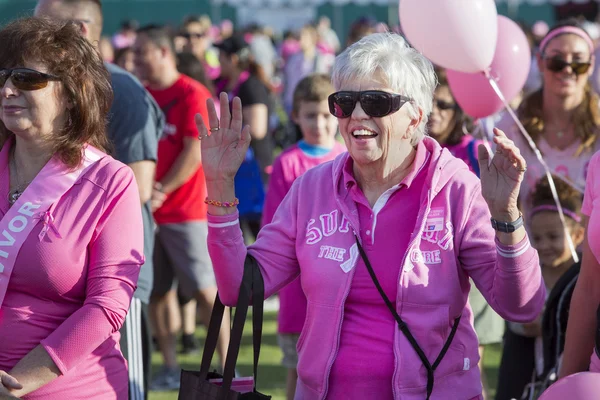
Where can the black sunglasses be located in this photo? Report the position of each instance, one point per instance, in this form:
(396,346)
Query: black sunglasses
(444,105)
(558,64)
(194,35)
(25,78)
(375,103)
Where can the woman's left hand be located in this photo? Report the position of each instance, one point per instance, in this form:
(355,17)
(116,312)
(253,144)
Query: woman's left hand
(501,178)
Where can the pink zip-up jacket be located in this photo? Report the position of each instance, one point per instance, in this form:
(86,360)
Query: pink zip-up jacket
(433,285)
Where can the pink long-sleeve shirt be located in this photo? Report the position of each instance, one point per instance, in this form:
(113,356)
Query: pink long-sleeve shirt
(290,164)
(591,208)
(72,294)
(313,236)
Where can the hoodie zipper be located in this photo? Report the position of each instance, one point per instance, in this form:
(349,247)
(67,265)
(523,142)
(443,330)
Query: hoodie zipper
(413,242)
(339,328)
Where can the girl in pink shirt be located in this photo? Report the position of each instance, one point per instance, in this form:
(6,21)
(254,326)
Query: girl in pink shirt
(70,220)
(318,145)
(384,238)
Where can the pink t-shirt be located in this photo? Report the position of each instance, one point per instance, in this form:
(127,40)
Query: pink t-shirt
(290,164)
(366,317)
(566,163)
(72,294)
(466,150)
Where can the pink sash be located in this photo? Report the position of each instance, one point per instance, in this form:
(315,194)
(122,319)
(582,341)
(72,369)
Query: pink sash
(53,181)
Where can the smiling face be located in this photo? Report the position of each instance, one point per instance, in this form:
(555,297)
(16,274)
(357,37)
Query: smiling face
(570,48)
(441,121)
(549,239)
(317,125)
(382,142)
(33,114)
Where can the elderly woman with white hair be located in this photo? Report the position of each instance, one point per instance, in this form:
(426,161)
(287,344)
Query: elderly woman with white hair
(384,238)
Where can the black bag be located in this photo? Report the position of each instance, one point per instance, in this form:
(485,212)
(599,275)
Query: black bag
(195,385)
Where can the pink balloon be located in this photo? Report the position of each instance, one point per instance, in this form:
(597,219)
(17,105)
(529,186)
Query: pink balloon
(459,35)
(581,386)
(510,67)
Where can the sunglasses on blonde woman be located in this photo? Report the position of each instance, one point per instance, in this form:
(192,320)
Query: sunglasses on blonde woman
(556,64)
(375,103)
(26,79)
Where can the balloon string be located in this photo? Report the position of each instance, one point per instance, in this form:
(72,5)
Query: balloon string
(538,155)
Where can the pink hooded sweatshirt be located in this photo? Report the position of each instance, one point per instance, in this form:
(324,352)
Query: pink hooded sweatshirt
(433,284)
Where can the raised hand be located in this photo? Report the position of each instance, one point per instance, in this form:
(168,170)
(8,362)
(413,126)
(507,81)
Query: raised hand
(225,142)
(501,178)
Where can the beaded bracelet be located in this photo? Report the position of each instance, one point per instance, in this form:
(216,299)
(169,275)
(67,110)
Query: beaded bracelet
(226,204)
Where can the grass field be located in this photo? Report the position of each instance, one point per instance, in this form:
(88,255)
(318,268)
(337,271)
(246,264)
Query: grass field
(271,376)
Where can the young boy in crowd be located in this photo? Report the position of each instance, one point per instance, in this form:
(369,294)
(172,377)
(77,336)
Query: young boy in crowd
(310,111)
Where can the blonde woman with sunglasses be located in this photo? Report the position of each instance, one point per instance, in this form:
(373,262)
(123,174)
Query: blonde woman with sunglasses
(563,117)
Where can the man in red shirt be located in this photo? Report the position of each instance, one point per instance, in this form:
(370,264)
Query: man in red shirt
(180,252)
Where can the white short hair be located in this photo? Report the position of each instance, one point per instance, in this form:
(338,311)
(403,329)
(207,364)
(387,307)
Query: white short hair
(387,56)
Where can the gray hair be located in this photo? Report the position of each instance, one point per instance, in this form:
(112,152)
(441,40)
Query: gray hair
(403,69)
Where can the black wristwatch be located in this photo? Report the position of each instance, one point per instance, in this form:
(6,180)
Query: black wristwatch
(507,227)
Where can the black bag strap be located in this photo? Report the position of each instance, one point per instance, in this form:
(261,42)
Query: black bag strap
(258,297)
(404,328)
(236,331)
(212,336)
(239,320)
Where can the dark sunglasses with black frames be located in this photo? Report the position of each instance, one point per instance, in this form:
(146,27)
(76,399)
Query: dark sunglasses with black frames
(557,64)
(444,105)
(375,103)
(190,35)
(25,78)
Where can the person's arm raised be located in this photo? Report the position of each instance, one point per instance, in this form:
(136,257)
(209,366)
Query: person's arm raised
(581,327)
(500,184)
(224,145)
(223,151)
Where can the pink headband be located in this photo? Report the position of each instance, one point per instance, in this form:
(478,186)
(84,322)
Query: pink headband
(567,29)
(568,213)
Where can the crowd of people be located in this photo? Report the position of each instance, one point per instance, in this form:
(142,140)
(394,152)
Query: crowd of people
(400,236)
